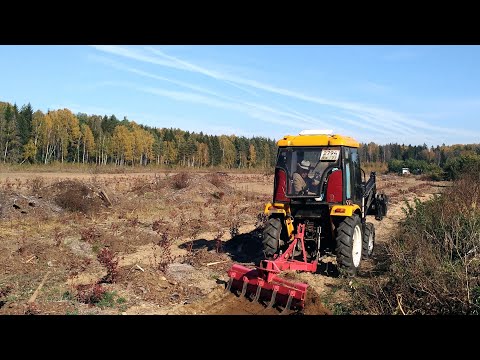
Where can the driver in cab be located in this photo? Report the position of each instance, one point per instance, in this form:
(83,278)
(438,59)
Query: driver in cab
(302,184)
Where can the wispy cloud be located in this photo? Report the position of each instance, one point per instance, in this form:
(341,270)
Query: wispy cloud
(401,54)
(361,109)
(382,119)
(199,69)
(374,88)
(255,111)
(121,66)
(133,54)
(232,103)
(260,112)
(87,109)
(364,125)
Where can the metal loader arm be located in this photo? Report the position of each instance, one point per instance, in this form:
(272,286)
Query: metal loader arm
(369,191)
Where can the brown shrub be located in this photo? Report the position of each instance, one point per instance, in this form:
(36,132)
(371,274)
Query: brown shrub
(89,234)
(107,259)
(216,179)
(218,195)
(158,225)
(180,180)
(75,196)
(166,257)
(36,184)
(90,294)
(5,290)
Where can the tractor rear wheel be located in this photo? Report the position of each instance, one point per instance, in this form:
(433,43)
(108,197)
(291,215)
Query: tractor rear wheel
(368,241)
(272,234)
(349,244)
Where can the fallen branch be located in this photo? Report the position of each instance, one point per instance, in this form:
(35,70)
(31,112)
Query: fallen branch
(105,198)
(216,262)
(139,268)
(399,301)
(35,294)
(30,259)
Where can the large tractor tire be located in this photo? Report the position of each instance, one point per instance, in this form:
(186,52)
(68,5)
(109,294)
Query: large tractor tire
(349,244)
(272,237)
(368,241)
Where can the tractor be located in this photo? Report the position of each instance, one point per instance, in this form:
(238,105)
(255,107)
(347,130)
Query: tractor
(321,200)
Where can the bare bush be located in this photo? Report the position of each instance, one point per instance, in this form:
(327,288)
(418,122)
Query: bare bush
(216,179)
(58,236)
(90,294)
(107,259)
(141,185)
(133,222)
(5,290)
(36,184)
(158,225)
(218,195)
(261,221)
(180,180)
(218,241)
(32,309)
(166,256)
(89,234)
(234,227)
(75,196)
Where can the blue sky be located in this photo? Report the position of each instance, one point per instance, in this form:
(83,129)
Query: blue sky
(404,94)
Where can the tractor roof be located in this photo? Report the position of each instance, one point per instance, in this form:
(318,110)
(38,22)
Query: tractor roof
(317,138)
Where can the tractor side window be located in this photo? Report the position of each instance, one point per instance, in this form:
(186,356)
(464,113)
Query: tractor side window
(357,174)
(282,159)
(353,175)
(348,173)
(348,193)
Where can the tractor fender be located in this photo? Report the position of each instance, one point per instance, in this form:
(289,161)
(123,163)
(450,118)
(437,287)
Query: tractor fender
(344,210)
(281,211)
(277,208)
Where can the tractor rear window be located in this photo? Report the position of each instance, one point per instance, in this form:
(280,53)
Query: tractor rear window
(305,167)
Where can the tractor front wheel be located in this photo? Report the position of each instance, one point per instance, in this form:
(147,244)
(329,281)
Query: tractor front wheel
(272,234)
(349,244)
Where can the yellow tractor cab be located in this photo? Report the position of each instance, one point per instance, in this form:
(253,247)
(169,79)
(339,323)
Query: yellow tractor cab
(315,158)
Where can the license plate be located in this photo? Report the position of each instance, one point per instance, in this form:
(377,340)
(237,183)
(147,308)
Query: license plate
(329,155)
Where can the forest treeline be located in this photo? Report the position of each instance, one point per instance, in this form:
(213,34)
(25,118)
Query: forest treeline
(62,136)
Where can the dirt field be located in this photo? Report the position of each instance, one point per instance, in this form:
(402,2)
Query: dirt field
(150,243)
